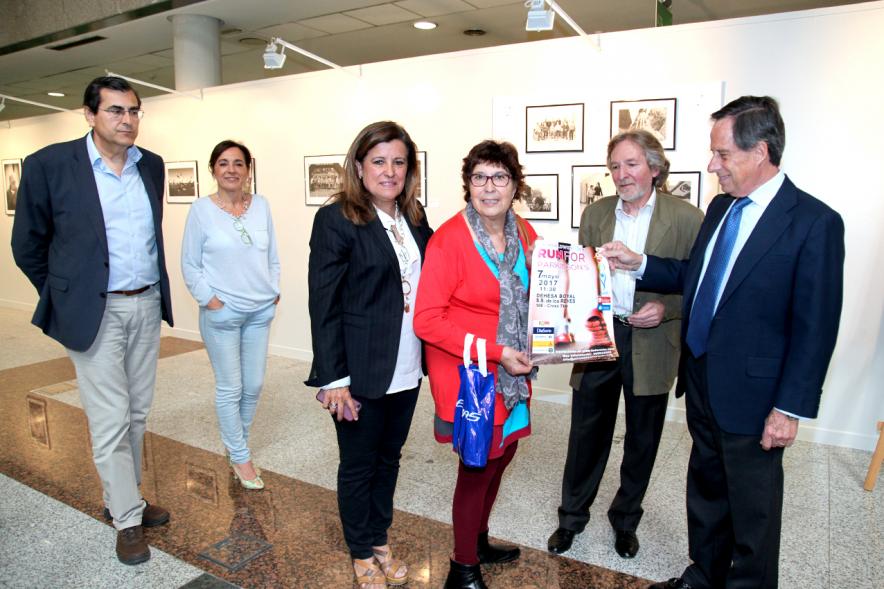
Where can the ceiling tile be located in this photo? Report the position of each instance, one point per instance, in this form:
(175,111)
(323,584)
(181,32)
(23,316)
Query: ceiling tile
(290,31)
(493,3)
(335,23)
(384,14)
(435,7)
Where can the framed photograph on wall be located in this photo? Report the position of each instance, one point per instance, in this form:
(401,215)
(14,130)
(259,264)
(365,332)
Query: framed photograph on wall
(554,127)
(422,177)
(323,177)
(588,184)
(182,182)
(657,116)
(254,177)
(685,185)
(11,180)
(542,201)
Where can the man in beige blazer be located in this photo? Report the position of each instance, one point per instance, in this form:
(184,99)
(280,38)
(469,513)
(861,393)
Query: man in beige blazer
(647,331)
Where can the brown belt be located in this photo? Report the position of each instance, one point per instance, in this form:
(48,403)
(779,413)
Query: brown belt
(130,293)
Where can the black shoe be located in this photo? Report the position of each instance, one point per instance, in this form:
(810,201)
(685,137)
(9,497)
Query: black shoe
(495,554)
(464,576)
(673,583)
(626,544)
(560,541)
(153,515)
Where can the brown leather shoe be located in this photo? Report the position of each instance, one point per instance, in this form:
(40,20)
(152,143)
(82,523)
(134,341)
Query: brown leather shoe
(153,516)
(131,546)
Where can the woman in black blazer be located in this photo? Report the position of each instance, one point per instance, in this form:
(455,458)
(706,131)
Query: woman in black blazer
(366,252)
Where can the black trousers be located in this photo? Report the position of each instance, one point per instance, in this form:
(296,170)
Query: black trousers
(593,416)
(369,450)
(734,499)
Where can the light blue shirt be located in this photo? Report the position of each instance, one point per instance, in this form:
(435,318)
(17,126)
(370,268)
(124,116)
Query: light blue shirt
(216,261)
(128,221)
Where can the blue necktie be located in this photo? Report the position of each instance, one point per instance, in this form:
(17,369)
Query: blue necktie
(707,294)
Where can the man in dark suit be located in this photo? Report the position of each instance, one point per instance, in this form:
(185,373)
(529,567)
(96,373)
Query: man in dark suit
(762,302)
(646,331)
(88,235)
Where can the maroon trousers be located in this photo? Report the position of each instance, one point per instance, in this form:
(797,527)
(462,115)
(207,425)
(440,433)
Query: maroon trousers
(474,497)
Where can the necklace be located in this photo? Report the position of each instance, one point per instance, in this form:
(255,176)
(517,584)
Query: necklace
(398,230)
(230,208)
(237,219)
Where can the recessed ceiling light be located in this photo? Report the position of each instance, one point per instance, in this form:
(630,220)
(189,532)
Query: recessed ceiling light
(425,25)
(474,32)
(56,94)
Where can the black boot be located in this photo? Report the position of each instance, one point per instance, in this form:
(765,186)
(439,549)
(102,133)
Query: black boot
(491,554)
(464,576)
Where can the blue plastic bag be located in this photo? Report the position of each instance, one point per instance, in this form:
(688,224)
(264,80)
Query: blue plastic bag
(474,413)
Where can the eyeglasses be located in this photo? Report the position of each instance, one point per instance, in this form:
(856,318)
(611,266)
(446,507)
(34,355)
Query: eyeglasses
(243,234)
(499,180)
(116,113)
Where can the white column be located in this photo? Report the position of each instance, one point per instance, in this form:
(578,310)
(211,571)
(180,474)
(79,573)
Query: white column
(197,48)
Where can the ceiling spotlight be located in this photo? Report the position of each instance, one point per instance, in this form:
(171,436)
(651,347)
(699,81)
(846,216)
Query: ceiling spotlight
(474,32)
(274,57)
(425,25)
(56,94)
(538,18)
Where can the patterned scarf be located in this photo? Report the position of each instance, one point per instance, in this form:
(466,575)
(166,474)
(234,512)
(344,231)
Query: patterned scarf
(512,321)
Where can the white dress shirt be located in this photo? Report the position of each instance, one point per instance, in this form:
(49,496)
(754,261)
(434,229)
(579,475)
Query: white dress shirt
(633,231)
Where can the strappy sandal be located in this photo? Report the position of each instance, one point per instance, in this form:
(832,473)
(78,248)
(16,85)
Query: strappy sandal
(368,574)
(394,570)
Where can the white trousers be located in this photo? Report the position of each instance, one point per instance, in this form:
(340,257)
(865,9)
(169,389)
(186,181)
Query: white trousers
(116,377)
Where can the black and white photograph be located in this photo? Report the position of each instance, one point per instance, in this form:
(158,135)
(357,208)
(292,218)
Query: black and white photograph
(323,177)
(541,201)
(555,127)
(422,177)
(588,184)
(182,183)
(11,180)
(685,185)
(657,116)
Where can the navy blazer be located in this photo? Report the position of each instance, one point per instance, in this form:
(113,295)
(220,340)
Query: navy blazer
(59,239)
(355,300)
(775,327)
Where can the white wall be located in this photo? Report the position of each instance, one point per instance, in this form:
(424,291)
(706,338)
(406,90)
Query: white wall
(822,65)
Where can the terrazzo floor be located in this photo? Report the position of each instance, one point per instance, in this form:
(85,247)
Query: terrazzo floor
(289,534)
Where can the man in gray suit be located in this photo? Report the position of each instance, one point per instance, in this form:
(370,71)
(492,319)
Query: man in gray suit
(88,235)
(646,331)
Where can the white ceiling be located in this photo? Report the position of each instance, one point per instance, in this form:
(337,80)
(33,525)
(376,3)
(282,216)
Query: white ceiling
(347,32)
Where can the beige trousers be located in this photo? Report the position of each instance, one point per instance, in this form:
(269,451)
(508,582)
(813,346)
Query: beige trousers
(116,377)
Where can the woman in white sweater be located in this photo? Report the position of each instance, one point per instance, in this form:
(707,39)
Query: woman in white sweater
(231,267)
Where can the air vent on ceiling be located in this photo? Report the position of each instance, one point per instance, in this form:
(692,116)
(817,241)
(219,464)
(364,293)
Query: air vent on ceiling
(77,43)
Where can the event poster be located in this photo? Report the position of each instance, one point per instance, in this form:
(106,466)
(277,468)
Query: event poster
(570,318)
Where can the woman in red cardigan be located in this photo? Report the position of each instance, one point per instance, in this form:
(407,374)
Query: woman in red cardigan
(475,280)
